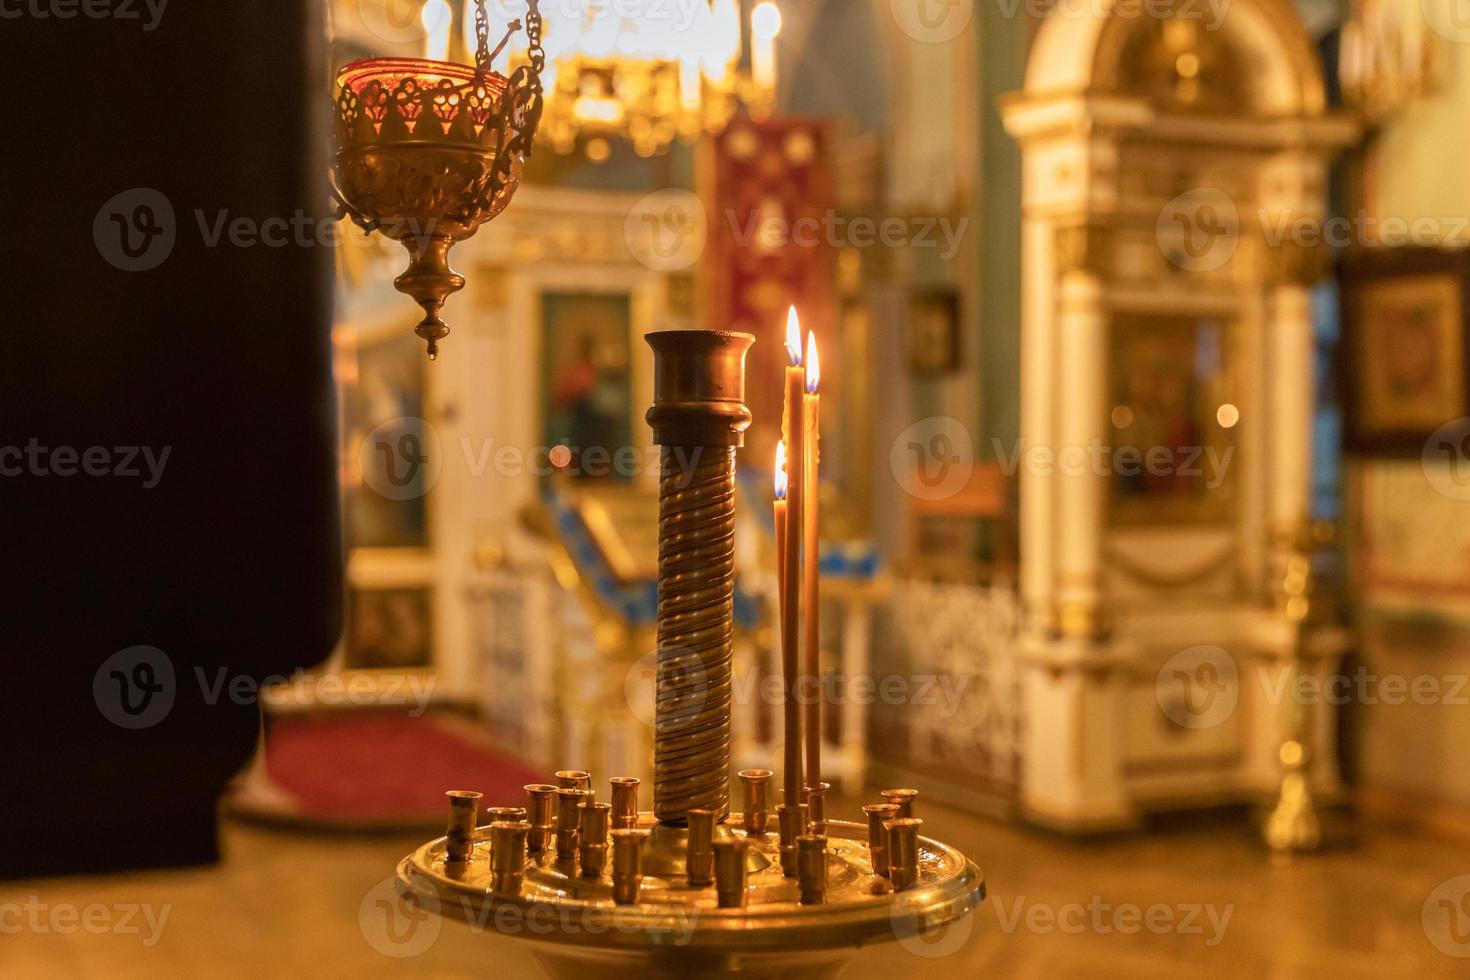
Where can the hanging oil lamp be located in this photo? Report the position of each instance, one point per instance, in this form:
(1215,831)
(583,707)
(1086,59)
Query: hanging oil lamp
(428,151)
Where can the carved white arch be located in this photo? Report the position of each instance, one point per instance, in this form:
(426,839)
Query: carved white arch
(1078,48)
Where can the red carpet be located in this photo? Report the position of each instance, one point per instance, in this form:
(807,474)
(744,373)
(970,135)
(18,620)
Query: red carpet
(368,771)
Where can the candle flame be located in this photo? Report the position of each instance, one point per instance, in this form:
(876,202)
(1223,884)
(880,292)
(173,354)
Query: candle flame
(813,365)
(793,337)
(781,470)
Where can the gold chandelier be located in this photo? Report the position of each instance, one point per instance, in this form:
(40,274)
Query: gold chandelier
(648,71)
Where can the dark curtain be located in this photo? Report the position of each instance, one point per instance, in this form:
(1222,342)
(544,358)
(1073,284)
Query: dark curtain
(224,555)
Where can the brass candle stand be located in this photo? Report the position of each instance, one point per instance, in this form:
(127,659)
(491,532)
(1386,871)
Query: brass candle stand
(680,890)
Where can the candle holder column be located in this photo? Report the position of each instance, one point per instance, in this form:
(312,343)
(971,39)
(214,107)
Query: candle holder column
(699,419)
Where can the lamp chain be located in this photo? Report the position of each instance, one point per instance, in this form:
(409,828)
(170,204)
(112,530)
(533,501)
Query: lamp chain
(483,54)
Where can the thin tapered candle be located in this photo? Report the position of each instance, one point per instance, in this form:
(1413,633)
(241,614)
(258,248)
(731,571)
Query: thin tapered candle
(794,431)
(811,569)
(786,599)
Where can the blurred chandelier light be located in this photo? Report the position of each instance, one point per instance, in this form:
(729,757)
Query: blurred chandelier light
(651,71)
(1388,56)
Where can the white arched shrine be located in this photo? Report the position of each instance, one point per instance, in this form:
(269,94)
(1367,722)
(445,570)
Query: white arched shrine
(1174,181)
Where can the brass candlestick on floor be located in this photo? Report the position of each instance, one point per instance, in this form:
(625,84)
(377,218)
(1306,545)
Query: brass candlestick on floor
(688,892)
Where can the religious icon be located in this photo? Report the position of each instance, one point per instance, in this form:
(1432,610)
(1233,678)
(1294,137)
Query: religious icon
(1404,347)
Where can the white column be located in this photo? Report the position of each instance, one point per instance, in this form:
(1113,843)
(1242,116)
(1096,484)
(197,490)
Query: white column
(1081,482)
(1291,396)
(1038,394)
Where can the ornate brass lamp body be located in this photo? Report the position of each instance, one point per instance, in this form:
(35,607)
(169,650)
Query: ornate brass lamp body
(688,893)
(428,151)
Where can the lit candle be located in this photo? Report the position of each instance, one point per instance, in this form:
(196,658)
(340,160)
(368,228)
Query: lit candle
(765,24)
(786,601)
(811,568)
(795,438)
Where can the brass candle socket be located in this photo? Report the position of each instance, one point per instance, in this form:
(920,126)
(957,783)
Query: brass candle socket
(901,798)
(698,418)
(732,878)
(508,856)
(791,821)
(879,814)
(627,865)
(700,864)
(592,849)
(542,797)
(625,802)
(816,802)
(569,821)
(504,814)
(903,852)
(811,868)
(573,779)
(757,784)
(464,806)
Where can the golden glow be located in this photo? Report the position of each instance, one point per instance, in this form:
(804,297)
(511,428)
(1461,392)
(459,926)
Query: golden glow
(765,21)
(598,150)
(1187,65)
(438,21)
(1122,417)
(1228,416)
(673,73)
(590,109)
(793,337)
(780,472)
(813,365)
